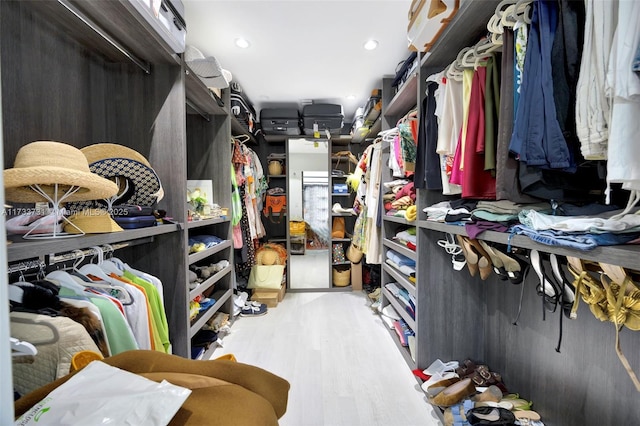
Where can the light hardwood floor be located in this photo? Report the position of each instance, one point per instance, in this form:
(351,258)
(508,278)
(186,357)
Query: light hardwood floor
(343,367)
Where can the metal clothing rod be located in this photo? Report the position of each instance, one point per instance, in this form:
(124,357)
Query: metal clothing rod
(26,265)
(78,254)
(198,110)
(139,62)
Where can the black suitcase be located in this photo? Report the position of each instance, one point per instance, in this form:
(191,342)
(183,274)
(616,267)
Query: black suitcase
(326,116)
(280,121)
(242,108)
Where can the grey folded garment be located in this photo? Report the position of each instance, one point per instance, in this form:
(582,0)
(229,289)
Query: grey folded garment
(509,207)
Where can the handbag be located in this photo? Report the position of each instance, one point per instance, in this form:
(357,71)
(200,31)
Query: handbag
(338,253)
(266,276)
(297,227)
(276,203)
(354,253)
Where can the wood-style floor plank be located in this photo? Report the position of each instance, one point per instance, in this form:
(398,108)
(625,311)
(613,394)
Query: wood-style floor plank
(343,367)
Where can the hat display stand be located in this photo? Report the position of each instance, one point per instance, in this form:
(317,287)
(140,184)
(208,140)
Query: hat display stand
(55,200)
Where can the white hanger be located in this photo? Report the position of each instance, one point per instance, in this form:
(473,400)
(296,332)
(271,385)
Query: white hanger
(108,266)
(22,348)
(64,279)
(108,282)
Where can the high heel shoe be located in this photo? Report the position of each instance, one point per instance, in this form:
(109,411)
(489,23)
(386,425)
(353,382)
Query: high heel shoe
(567,296)
(477,258)
(484,260)
(546,289)
(498,264)
(514,267)
(470,255)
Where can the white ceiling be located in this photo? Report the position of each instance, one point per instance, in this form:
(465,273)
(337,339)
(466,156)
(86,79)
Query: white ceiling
(302,49)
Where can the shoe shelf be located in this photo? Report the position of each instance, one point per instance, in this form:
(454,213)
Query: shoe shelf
(404,350)
(21,249)
(340,263)
(221,296)
(341,214)
(206,284)
(195,257)
(399,308)
(205,222)
(400,278)
(340,194)
(399,248)
(623,255)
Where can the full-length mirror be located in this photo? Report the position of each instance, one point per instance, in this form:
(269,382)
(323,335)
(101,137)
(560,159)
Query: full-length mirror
(308,204)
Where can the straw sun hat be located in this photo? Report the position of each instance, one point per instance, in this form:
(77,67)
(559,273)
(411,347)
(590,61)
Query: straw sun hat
(46,163)
(91,221)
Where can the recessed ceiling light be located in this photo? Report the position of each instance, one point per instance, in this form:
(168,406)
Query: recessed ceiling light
(242,43)
(351,97)
(371,44)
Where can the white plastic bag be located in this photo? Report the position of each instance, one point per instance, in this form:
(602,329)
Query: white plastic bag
(104,395)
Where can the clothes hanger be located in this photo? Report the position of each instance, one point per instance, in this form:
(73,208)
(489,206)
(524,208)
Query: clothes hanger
(107,265)
(22,348)
(108,282)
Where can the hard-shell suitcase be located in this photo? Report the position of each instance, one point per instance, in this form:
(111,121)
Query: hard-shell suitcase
(242,108)
(325,116)
(280,121)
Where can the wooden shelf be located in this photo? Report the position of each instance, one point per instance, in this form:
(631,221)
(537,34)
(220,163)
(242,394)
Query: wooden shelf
(365,133)
(202,318)
(399,248)
(399,307)
(22,249)
(238,129)
(400,278)
(623,255)
(200,96)
(212,280)
(465,29)
(397,219)
(206,222)
(195,257)
(405,99)
(404,350)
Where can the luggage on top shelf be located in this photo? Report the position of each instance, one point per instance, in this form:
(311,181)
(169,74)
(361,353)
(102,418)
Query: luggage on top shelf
(325,116)
(242,108)
(280,121)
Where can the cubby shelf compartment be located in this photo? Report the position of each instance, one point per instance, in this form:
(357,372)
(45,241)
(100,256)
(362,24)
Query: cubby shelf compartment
(206,284)
(400,309)
(404,350)
(221,297)
(623,255)
(21,249)
(399,248)
(194,257)
(400,278)
(206,222)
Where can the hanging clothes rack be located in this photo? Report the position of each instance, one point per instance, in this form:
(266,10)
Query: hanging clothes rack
(52,259)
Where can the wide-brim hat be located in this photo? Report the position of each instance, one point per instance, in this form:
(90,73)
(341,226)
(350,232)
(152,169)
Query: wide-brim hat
(104,150)
(91,221)
(142,182)
(100,151)
(208,69)
(50,163)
